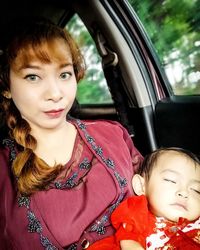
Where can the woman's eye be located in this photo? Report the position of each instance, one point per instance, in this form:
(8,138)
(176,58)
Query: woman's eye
(65,75)
(169,180)
(32,78)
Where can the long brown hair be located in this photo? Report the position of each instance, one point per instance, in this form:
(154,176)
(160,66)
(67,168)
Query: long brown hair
(32,173)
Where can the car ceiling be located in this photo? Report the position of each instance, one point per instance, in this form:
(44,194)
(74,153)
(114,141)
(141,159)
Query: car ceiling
(55,10)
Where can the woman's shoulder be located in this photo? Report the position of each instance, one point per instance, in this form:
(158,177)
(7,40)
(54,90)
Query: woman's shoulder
(103,126)
(4,149)
(100,122)
(5,169)
(104,131)
(5,155)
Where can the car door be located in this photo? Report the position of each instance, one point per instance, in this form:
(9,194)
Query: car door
(172,57)
(160,111)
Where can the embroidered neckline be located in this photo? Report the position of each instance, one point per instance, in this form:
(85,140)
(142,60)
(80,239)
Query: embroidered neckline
(34,225)
(77,167)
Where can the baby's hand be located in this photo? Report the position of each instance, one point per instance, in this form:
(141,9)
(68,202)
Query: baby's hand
(130,245)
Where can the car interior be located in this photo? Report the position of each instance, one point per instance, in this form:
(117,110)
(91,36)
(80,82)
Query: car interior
(142,99)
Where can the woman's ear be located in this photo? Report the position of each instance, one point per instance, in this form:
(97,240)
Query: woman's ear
(138,184)
(7,94)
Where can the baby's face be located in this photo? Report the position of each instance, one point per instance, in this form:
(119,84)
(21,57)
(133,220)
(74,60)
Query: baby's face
(173,189)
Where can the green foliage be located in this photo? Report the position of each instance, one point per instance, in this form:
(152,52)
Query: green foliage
(173,27)
(91,92)
(93,88)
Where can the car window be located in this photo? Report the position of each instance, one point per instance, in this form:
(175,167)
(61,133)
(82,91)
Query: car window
(93,88)
(173,27)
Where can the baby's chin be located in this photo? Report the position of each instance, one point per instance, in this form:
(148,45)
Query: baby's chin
(171,219)
(179,216)
(174,216)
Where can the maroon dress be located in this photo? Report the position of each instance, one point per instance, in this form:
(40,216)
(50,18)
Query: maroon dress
(75,210)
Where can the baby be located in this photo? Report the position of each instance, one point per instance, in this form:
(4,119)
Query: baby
(165,213)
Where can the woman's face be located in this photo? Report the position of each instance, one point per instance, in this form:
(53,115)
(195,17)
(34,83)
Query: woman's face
(44,90)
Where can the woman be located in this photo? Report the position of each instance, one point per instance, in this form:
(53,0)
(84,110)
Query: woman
(60,178)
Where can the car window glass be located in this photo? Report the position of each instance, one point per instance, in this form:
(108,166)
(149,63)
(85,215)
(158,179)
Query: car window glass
(93,88)
(173,27)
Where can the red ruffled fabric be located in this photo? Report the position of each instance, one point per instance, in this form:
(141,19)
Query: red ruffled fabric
(184,241)
(132,220)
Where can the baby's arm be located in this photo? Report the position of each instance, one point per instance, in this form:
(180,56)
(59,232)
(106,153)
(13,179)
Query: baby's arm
(130,245)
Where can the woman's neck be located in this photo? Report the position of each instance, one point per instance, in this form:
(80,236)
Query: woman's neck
(55,146)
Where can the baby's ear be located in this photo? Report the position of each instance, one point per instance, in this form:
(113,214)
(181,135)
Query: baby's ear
(138,184)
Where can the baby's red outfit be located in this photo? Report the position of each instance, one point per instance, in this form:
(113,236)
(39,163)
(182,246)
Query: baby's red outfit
(133,221)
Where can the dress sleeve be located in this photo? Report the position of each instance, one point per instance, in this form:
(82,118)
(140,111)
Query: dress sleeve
(4,191)
(132,220)
(116,143)
(137,158)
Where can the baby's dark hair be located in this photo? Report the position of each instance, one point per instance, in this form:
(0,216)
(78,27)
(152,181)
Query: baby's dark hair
(151,159)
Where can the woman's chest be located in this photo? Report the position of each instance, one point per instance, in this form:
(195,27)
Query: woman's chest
(59,216)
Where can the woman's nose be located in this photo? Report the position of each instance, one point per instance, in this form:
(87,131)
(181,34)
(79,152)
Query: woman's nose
(54,91)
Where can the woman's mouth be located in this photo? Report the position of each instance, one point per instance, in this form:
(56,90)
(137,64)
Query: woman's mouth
(54,113)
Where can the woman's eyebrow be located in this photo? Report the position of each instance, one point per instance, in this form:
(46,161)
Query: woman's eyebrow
(28,66)
(32,66)
(63,65)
